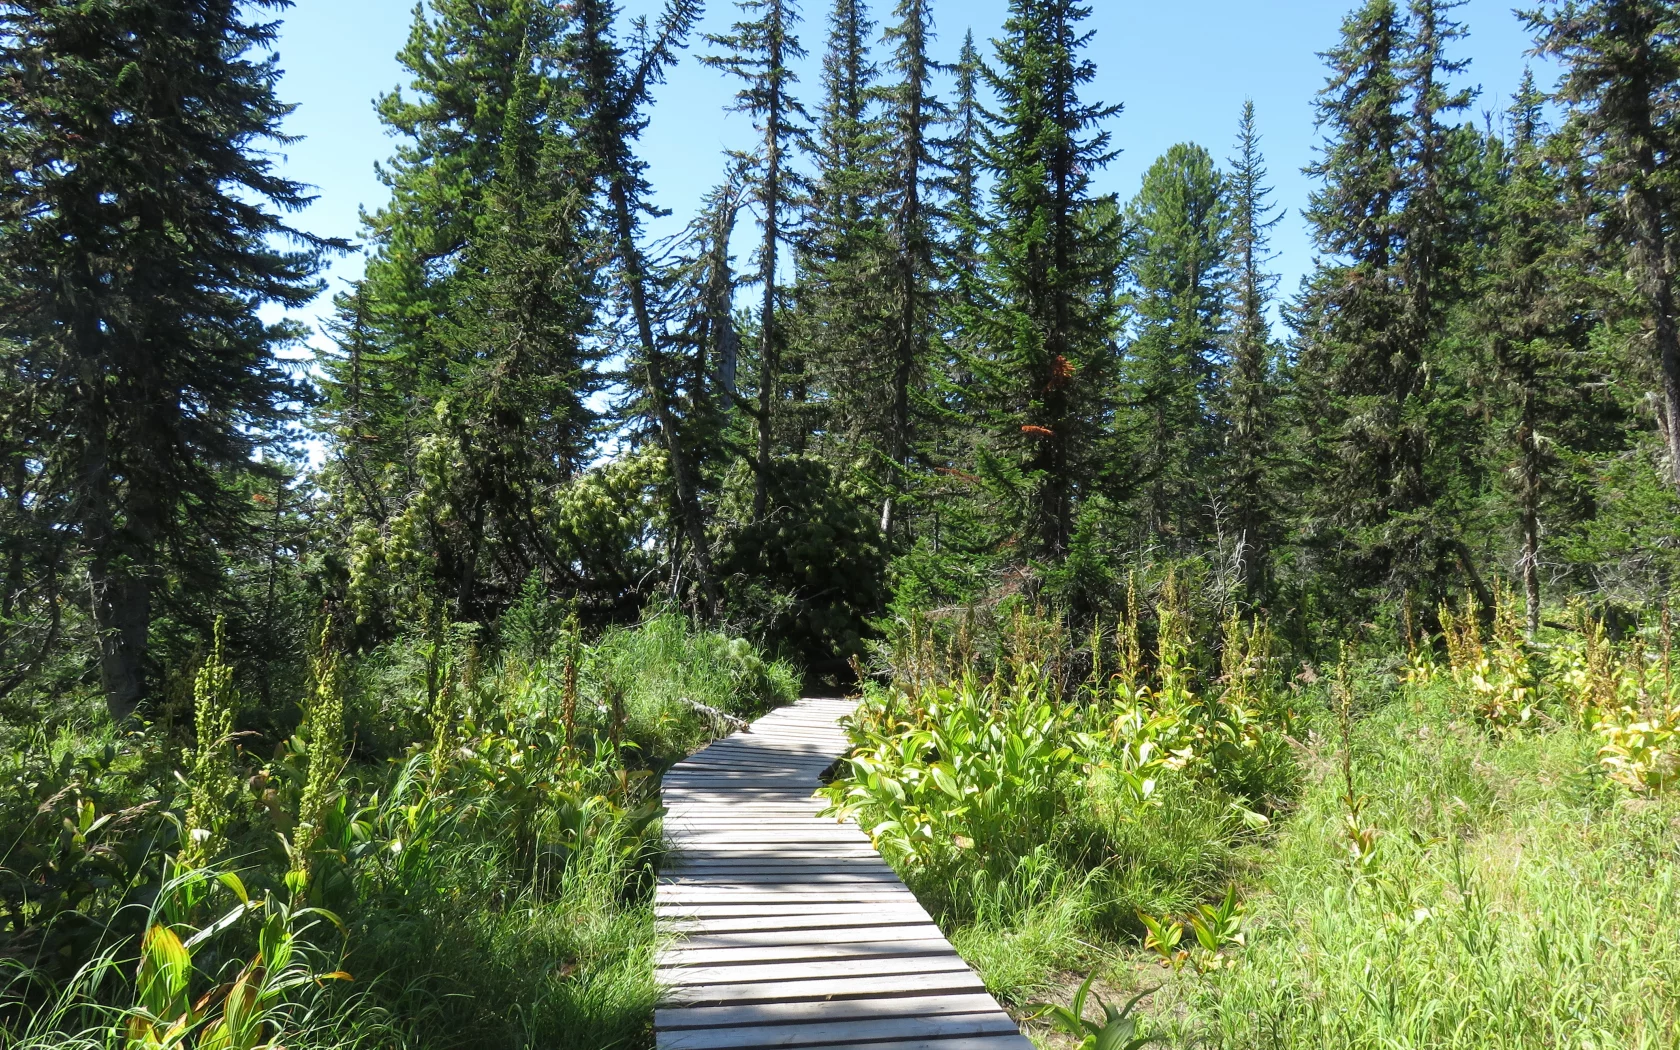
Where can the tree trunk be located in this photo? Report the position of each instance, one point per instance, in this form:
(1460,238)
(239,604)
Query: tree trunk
(769,356)
(688,499)
(1531,516)
(121,618)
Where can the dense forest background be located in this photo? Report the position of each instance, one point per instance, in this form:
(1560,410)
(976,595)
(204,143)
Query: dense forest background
(905,357)
(1330,624)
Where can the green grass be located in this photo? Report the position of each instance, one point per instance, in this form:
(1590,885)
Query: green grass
(495,892)
(1516,900)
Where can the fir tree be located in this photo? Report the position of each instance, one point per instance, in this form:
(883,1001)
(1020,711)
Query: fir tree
(463,363)
(1545,394)
(912,114)
(963,162)
(1352,310)
(465,58)
(617,87)
(1622,66)
(758,51)
(1050,256)
(1179,264)
(842,322)
(139,238)
(1251,390)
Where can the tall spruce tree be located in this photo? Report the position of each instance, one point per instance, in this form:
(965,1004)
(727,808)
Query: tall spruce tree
(463,374)
(841,323)
(759,51)
(1178,258)
(139,238)
(1546,395)
(960,151)
(617,86)
(464,58)
(911,180)
(1621,70)
(1355,390)
(1051,248)
(1250,398)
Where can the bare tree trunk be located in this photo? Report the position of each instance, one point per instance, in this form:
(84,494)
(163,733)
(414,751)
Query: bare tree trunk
(769,356)
(688,499)
(122,619)
(1530,515)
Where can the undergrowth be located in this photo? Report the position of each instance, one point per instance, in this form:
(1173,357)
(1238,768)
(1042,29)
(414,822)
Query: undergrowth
(1470,845)
(453,849)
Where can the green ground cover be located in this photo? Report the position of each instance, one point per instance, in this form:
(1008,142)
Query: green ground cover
(460,864)
(1470,850)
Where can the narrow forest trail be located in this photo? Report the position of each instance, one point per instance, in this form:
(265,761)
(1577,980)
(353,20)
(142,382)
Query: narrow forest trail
(788,930)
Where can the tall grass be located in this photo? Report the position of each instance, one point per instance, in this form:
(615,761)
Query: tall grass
(1518,898)
(1041,794)
(472,831)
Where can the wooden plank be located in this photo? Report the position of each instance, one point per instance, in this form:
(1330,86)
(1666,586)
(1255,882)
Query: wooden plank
(746,973)
(788,929)
(743,1015)
(825,990)
(677,955)
(993,1022)
(760,831)
(696,866)
(674,912)
(707,939)
(806,919)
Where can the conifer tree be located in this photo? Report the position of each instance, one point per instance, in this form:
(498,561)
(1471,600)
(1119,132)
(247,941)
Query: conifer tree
(759,51)
(1251,390)
(842,323)
(1050,256)
(1621,69)
(616,88)
(1352,311)
(1180,275)
(1393,464)
(463,362)
(963,162)
(140,235)
(464,58)
(528,295)
(912,113)
(1545,394)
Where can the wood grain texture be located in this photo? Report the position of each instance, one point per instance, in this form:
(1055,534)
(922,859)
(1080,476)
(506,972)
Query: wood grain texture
(786,929)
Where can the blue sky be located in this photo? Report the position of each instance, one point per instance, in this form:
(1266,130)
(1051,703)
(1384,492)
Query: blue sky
(1182,69)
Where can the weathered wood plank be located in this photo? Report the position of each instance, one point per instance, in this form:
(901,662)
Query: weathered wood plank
(740,1016)
(788,929)
(824,990)
(826,968)
(818,1033)
(706,939)
(805,920)
(678,955)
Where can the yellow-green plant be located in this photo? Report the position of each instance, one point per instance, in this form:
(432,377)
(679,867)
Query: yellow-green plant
(247,1013)
(211,783)
(1641,750)
(1118,1029)
(1165,937)
(983,769)
(1504,682)
(1462,634)
(1217,930)
(323,733)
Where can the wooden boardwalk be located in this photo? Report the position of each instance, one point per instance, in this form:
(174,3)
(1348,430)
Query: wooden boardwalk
(790,931)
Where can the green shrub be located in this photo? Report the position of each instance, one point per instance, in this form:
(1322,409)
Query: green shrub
(809,573)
